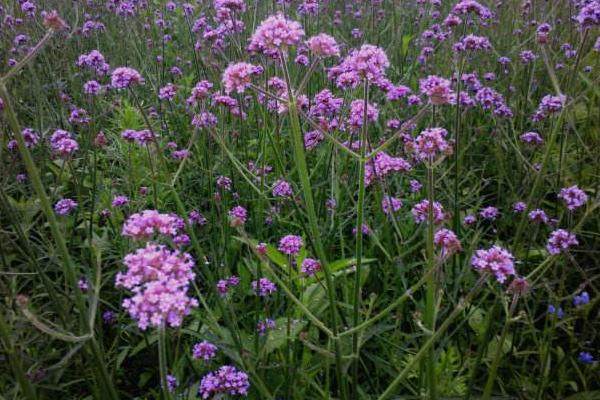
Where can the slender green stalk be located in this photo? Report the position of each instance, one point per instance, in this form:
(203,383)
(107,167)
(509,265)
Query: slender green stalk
(67,263)
(430,300)
(300,159)
(162,362)
(14,359)
(489,385)
(389,391)
(360,206)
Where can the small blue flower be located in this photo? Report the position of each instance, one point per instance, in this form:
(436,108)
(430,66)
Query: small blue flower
(554,311)
(586,357)
(581,300)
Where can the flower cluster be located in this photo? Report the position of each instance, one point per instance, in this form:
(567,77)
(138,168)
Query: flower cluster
(420,212)
(447,241)
(560,240)
(238,77)
(204,350)
(573,197)
(310,266)
(226,380)
(264,287)
(125,77)
(437,89)
(145,225)
(431,143)
(275,34)
(495,260)
(367,63)
(323,46)
(291,245)
(63,144)
(65,206)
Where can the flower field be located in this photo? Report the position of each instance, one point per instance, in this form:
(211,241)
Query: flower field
(299,199)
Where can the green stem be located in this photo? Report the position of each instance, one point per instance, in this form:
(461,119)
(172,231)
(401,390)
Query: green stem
(431,341)
(162,362)
(300,158)
(360,206)
(489,385)
(430,300)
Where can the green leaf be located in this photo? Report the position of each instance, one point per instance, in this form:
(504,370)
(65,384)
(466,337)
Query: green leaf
(277,337)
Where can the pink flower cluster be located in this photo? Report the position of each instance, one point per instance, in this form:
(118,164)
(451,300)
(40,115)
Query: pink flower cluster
(62,143)
(144,225)
(238,77)
(227,380)
(310,266)
(383,164)
(367,63)
(573,197)
(447,241)
(437,89)
(323,45)
(420,212)
(291,245)
(274,34)
(204,350)
(431,143)
(142,137)
(124,77)
(560,240)
(495,260)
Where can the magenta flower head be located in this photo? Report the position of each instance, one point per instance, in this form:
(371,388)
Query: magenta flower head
(471,6)
(120,201)
(447,241)
(264,287)
(291,245)
(238,216)
(437,89)
(310,266)
(573,197)
(560,240)
(64,206)
(367,63)
(390,204)
(421,210)
(282,188)
(238,77)
(323,45)
(226,380)
(489,213)
(495,260)
(63,144)
(204,350)
(431,143)
(144,225)
(124,77)
(275,34)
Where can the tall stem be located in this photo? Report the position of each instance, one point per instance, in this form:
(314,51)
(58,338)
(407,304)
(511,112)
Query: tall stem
(162,362)
(430,301)
(300,158)
(359,238)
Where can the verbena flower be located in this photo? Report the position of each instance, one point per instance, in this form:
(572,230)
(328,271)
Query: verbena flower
(124,77)
(148,223)
(65,206)
(264,287)
(573,197)
(274,34)
(420,212)
(323,45)
(204,350)
(495,260)
(560,240)
(291,245)
(238,77)
(310,266)
(431,143)
(447,241)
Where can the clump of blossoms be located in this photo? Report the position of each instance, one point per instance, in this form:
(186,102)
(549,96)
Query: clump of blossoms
(238,216)
(144,225)
(560,240)
(323,46)
(282,188)
(390,204)
(275,34)
(367,63)
(420,212)
(495,260)
(204,350)
(223,285)
(438,89)
(573,197)
(124,77)
(384,164)
(238,77)
(310,266)
(264,287)
(471,6)
(291,245)
(226,380)
(64,206)
(447,241)
(431,143)
(63,144)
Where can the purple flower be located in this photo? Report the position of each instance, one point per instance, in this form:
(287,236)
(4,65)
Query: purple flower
(120,201)
(274,34)
(471,6)
(238,216)
(282,188)
(167,92)
(204,350)
(390,204)
(263,325)
(589,14)
(63,144)
(586,358)
(573,197)
(447,241)
(238,77)
(310,266)
(290,245)
(431,143)
(64,206)
(323,46)
(495,260)
(227,380)
(560,240)
(489,213)
(519,207)
(420,212)
(581,300)
(533,138)
(264,287)
(124,77)
(367,63)
(538,215)
(437,89)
